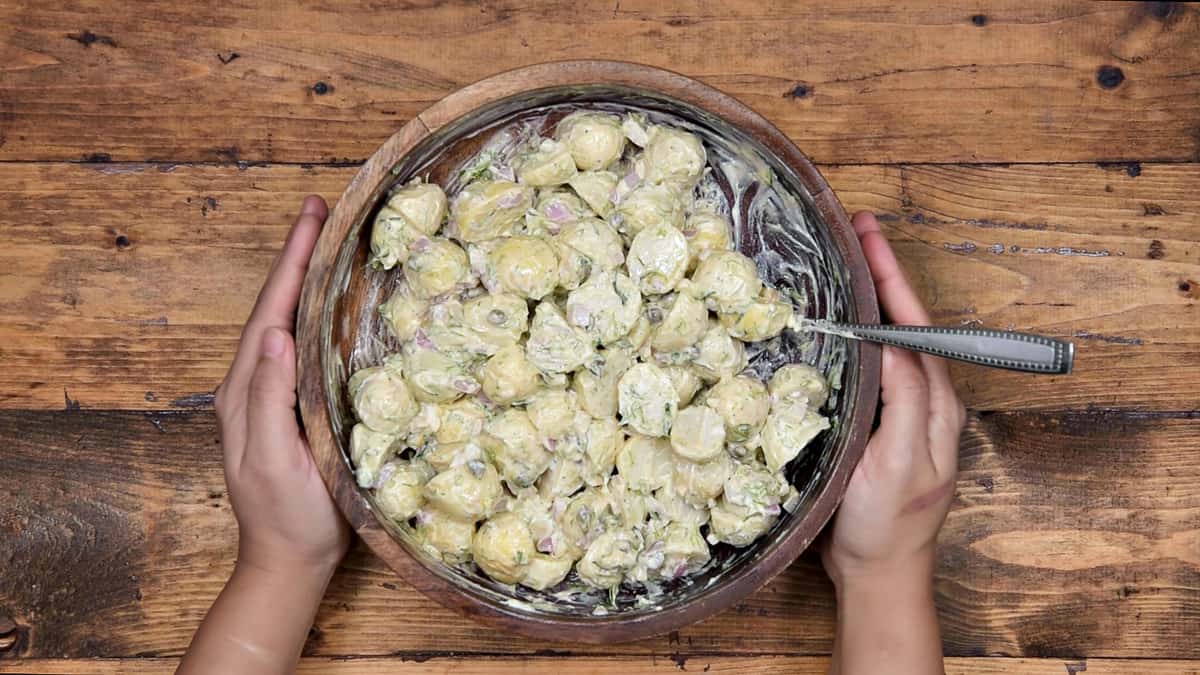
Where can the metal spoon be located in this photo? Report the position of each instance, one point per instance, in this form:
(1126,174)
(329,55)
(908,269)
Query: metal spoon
(994,348)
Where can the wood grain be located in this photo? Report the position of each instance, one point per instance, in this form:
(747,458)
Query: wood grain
(1072,534)
(757,665)
(907,81)
(125,286)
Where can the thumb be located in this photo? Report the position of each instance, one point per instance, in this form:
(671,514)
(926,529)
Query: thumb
(271,428)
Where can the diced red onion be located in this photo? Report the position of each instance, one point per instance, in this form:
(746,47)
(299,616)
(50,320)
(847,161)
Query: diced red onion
(423,517)
(503,172)
(509,200)
(385,472)
(679,570)
(466,386)
(422,340)
(546,545)
(772,510)
(421,245)
(551,444)
(558,213)
(631,179)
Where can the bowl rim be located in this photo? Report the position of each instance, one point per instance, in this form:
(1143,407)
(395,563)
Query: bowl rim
(338,476)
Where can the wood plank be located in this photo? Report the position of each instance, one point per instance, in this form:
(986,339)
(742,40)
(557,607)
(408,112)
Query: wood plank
(1071,534)
(1093,253)
(909,81)
(491,665)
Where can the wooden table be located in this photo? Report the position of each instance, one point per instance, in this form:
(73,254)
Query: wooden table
(1036,165)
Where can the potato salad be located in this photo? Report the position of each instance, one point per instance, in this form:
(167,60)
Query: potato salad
(570,394)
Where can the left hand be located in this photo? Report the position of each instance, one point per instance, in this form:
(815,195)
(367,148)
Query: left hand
(287,522)
(900,492)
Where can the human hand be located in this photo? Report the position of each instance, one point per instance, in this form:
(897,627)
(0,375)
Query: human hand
(287,522)
(898,496)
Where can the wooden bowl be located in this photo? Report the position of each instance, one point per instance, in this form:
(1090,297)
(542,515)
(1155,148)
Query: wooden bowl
(338,330)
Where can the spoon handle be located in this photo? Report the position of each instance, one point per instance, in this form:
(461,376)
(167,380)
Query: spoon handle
(995,348)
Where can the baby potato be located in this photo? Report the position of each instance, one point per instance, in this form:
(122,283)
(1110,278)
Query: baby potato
(503,548)
(650,206)
(549,165)
(754,486)
(399,495)
(609,558)
(434,376)
(699,482)
(596,189)
(728,281)
(706,231)
(596,391)
(684,550)
(742,403)
(508,377)
(673,157)
(686,382)
(512,442)
(683,324)
(595,140)
(657,259)
(645,463)
(422,205)
(554,209)
(606,306)
(552,412)
(545,571)
(602,442)
(554,346)
(381,399)
(584,247)
(524,266)
(468,491)
(718,355)
(489,209)
(646,400)
(495,320)
(460,421)
(436,267)
(798,383)
(370,450)
(403,312)
(446,536)
(762,320)
(788,430)
(698,434)
(736,525)
(563,478)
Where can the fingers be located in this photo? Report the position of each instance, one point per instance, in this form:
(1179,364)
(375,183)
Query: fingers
(897,297)
(280,293)
(905,394)
(902,305)
(271,401)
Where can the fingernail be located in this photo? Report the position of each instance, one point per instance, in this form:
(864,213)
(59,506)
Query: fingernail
(311,206)
(272,344)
